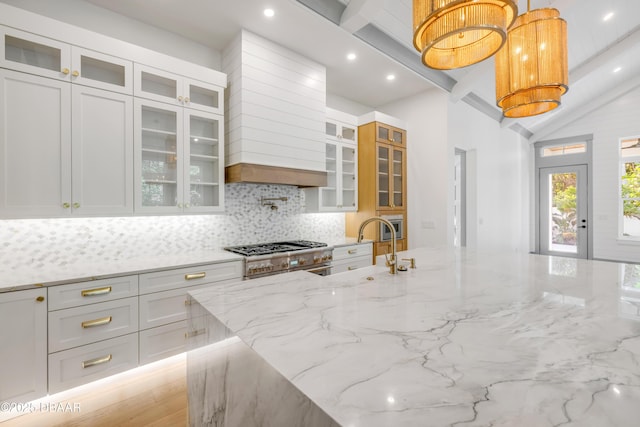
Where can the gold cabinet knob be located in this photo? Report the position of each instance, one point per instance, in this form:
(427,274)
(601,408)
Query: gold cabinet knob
(76,205)
(40,299)
(65,71)
(66,205)
(187,100)
(75,73)
(187,205)
(180,99)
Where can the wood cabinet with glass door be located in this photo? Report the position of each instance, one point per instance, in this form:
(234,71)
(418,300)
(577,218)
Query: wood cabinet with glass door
(382,189)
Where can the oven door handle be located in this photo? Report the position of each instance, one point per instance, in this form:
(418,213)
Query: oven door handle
(319,270)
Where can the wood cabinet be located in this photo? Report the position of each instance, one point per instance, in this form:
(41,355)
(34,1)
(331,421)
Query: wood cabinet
(341,155)
(23,349)
(382,178)
(178,159)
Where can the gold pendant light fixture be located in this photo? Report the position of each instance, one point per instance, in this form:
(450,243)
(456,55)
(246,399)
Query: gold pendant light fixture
(456,33)
(532,67)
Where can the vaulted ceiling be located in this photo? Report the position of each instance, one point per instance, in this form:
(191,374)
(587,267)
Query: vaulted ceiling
(604,55)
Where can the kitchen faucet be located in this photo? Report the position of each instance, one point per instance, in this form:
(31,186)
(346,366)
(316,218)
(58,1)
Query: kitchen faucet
(391,261)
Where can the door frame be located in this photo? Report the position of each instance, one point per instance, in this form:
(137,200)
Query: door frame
(561,161)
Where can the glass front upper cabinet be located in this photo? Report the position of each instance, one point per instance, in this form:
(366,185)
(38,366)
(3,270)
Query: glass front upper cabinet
(391,135)
(205,171)
(391,179)
(171,88)
(42,56)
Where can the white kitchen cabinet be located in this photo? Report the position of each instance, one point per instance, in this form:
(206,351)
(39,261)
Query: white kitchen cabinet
(163,86)
(351,257)
(34,54)
(75,159)
(341,153)
(23,345)
(81,365)
(163,305)
(178,159)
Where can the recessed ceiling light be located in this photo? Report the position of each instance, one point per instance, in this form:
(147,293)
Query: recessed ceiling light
(615,70)
(351,56)
(269,13)
(391,77)
(607,16)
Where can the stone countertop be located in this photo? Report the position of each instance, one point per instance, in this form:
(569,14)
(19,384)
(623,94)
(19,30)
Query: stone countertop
(47,275)
(465,339)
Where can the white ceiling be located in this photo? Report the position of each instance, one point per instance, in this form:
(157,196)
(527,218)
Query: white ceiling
(596,47)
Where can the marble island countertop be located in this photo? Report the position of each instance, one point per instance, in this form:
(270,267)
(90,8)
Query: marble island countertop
(466,339)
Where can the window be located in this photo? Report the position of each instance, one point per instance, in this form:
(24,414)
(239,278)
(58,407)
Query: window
(560,150)
(630,186)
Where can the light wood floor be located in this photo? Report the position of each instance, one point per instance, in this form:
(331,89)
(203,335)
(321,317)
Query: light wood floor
(153,396)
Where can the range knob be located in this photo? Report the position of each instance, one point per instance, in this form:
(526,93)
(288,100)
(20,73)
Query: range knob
(329,257)
(285,264)
(324,258)
(302,261)
(269,267)
(316,259)
(252,269)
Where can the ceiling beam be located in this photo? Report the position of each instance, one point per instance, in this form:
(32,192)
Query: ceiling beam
(466,84)
(359,13)
(562,119)
(619,47)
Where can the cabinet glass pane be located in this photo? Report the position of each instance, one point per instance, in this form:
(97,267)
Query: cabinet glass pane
(203,96)
(383,176)
(329,197)
(397,177)
(152,83)
(102,71)
(329,192)
(331,129)
(397,137)
(30,53)
(383,133)
(349,133)
(159,157)
(348,177)
(204,166)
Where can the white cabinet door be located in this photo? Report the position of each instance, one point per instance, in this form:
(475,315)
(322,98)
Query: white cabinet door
(23,348)
(95,69)
(204,157)
(163,86)
(29,53)
(158,163)
(35,146)
(102,136)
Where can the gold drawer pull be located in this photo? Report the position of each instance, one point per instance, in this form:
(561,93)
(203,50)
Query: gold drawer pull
(352,251)
(194,333)
(187,302)
(96,291)
(194,276)
(97,361)
(351,268)
(96,322)
(40,298)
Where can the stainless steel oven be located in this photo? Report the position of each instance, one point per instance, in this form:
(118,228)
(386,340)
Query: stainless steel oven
(398,224)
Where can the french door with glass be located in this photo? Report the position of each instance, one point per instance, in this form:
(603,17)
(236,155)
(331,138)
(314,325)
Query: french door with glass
(563,211)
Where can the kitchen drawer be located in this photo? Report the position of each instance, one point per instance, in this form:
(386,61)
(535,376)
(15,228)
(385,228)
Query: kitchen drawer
(81,365)
(350,264)
(352,251)
(183,277)
(164,307)
(77,326)
(76,294)
(163,341)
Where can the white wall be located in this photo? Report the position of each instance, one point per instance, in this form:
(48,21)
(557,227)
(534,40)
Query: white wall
(103,21)
(497,174)
(608,124)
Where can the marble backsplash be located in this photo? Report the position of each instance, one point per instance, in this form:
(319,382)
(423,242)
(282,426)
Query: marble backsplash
(65,241)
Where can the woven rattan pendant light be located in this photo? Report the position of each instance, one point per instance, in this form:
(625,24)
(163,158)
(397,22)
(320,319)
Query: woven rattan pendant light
(531,68)
(456,33)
